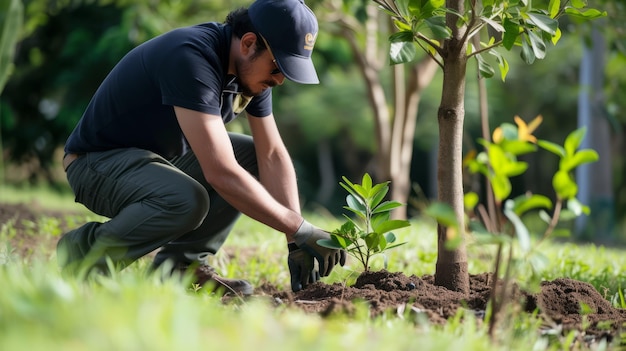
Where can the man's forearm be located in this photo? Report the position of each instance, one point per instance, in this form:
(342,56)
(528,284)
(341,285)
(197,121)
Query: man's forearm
(278,176)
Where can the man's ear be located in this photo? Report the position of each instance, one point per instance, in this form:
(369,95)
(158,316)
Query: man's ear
(247,44)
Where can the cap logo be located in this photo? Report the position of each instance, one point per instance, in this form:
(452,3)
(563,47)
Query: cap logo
(309,41)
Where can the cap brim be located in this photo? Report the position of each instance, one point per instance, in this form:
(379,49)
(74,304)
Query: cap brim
(297,68)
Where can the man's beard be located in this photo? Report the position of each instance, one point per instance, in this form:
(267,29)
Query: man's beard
(249,92)
(243,67)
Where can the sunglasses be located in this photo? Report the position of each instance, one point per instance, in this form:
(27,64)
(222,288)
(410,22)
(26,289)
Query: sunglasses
(276,70)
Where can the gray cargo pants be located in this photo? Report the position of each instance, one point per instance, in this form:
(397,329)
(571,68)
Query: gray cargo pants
(152,203)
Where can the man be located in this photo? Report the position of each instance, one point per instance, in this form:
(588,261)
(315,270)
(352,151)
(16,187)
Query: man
(152,153)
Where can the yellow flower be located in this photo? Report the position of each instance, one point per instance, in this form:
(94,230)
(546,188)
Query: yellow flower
(525,131)
(498,135)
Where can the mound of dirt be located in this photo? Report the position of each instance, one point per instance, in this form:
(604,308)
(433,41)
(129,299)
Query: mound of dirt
(559,302)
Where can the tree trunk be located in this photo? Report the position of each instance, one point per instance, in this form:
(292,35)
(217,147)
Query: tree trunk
(451,267)
(403,133)
(394,127)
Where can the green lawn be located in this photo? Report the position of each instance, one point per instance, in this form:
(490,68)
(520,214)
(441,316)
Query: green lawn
(41,310)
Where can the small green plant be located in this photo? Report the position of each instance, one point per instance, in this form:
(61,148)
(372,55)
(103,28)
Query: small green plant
(370,232)
(498,163)
(503,222)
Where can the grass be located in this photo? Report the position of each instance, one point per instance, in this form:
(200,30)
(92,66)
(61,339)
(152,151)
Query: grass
(42,310)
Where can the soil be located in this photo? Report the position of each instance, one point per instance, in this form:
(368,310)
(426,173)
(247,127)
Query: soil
(558,302)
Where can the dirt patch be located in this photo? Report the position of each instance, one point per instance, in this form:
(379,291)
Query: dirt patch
(558,302)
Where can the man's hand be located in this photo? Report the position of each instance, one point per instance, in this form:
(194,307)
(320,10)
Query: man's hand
(306,239)
(301,268)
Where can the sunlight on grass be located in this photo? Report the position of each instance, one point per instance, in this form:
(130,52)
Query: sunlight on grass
(41,310)
(41,196)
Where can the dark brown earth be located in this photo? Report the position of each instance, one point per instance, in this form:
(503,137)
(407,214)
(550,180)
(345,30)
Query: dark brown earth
(558,303)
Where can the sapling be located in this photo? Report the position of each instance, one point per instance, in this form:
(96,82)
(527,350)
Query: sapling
(370,232)
(499,163)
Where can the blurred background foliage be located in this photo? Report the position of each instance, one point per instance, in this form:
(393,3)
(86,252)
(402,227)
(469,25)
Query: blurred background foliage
(66,48)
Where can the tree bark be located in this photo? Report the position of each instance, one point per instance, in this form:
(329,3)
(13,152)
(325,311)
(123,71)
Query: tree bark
(451,267)
(394,126)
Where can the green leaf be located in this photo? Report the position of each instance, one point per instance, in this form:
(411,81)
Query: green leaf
(331,244)
(538,45)
(585,15)
(511,31)
(390,237)
(401,36)
(527,53)
(543,22)
(579,3)
(518,147)
(359,213)
(386,206)
(553,7)
(574,139)
(377,195)
(501,187)
(485,69)
(470,200)
(525,203)
(388,226)
(563,185)
(382,242)
(372,241)
(366,183)
(512,169)
(556,37)
(355,203)
(523,236)
(349,186)
(552,147)
(503,64)
(443,214)
(497,158)
(377,219)
(402,52)
(437,26)
(579,158)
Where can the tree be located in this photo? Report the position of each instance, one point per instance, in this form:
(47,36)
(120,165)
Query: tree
(445,29)
(394,105)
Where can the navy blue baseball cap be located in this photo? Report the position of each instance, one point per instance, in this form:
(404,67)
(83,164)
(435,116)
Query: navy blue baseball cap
(290,29)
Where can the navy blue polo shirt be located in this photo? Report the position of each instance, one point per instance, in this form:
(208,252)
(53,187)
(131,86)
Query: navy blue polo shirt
(133,107)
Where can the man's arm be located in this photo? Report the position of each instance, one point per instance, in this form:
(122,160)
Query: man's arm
(276,171)
(209,141)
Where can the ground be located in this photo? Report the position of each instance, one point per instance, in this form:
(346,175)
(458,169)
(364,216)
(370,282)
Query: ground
(558,302)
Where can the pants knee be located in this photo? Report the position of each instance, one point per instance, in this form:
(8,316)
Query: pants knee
(191,208)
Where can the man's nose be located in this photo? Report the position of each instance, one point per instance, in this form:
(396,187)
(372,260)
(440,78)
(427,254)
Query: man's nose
(279,78)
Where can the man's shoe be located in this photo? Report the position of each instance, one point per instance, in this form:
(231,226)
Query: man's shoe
(206,275)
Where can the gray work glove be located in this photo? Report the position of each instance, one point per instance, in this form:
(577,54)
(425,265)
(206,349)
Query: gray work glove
(301,268)
(306,239)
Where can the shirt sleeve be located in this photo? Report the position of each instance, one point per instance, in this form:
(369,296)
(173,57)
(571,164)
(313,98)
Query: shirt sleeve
(191,80)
